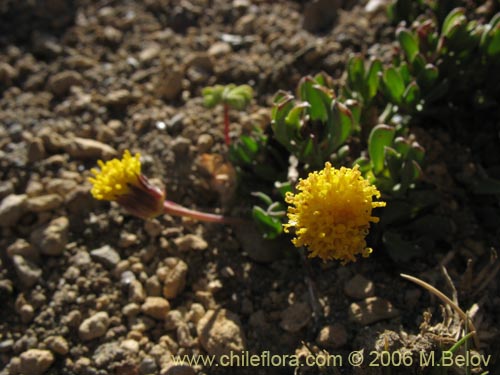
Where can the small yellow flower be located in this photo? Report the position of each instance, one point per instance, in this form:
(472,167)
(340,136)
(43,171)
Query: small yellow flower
(121,181)
(332,212)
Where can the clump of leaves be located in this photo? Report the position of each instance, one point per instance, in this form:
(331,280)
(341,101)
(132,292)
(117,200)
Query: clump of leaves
(269,215)
(261,161)
(457,63)
(258,159)
(393,163)
(230,96)
(439,67)
(314,124)
(409,10)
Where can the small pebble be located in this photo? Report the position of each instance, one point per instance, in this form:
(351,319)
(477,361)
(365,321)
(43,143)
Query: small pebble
(148,366)
(35,361)
(131,309)
(127,240)
(173,277)
(173,319)
(106,255)
(52,237)
(27,272)
(23,248)
(130,345)
(359,287)
(136,292)
(332,336)
(12,208)
(371,310)
(153,228)
(156,307)
(44,203)
(295,317)
(220,332)
(191,242)
(153,286)
(27,313)
(94,326)
(205,142)
(57,344)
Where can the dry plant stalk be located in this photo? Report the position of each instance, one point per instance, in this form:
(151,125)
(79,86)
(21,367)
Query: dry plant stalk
(447,301)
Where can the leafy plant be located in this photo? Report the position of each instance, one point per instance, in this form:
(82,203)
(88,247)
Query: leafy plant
(458,59)
(261,162)
(361,88)
(444,63)
(362,79)
(230,96)
(269,217)
(409,10)
(314,124)
(393,163)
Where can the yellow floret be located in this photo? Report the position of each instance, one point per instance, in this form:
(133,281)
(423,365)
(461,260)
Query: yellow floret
(115,177)
(331,213)
(122,181)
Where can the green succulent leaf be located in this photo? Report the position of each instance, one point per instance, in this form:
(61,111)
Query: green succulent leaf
(250,145)
(356,72)
(294,118)
(411,96)
(408,42)
(342,123)
(323,79)
(398,10)
(212,95)
(428,76)
(380,137)
(490,40)
(454,18)
(404,71)
(402,146)
(372,77)
(495,21)
(394,84)
(272,227)
(266,199)
(343,151)
(393,161)
(409,173)
(238,156)
(306,149)
(416,153)
(356,109)
(364,164)
(238,97)
(283,104)
(245,150)
(418,63)
(310,92)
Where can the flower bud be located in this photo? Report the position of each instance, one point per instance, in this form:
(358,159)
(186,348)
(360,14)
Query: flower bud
(122,181)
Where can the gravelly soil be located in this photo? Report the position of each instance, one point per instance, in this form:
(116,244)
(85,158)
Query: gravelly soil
(99,292)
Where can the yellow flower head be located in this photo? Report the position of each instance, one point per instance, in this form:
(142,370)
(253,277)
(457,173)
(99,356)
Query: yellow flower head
(332,212)
(121,181)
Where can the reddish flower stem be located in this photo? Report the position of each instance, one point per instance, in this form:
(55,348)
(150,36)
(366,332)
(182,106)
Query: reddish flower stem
(226,125)
(175,209)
